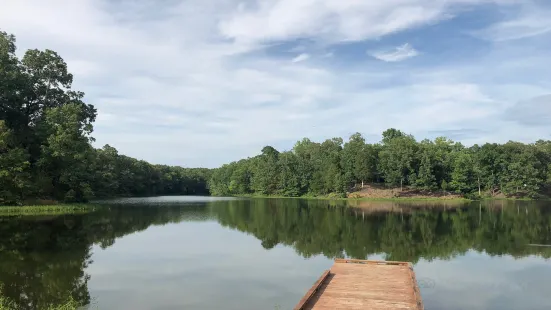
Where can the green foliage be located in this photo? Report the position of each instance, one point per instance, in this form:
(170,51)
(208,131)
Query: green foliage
(66,153)
(358,160)
(463,176)
(45,140)
(391,134)
(45,210)
(397,160)
(46,152)
(319,169)
(14,167)
(426,177)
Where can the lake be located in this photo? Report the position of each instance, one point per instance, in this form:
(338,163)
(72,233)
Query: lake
(216,253)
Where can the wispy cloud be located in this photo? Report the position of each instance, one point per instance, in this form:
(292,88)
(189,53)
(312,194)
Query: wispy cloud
(527,24)
(301,57)
(183,82)
(399,53)
(330,20)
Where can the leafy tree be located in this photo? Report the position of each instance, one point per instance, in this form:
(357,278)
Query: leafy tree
(289,180)
(45,132)
(391,134)
(358,160)
(67,154)
(265,180)
(426,177)
(311,168)
(14,168)
(397,160)
(463,175)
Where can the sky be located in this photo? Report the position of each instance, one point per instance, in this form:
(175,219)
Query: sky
(200,83)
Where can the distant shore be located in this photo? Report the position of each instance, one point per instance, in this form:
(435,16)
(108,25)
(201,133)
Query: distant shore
(335,197)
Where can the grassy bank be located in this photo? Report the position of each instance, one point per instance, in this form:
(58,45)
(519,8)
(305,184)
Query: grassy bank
(6,304)
(46,210)
(335,197)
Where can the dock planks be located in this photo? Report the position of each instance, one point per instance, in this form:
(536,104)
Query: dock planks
(362,284)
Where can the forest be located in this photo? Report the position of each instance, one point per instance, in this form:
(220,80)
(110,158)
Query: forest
(46,153)
(335,167)
(45,140)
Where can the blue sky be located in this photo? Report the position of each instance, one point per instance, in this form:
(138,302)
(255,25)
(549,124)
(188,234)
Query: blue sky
(205,82)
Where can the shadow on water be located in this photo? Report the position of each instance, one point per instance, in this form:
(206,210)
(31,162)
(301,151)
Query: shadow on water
(43,259)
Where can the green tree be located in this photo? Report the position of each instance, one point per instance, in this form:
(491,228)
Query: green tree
(397,160)
(46,150)
(266,176)
(289,177)
(358,160)
(14,168)
(426,177)
(391,134)
(463,175)
(67,154)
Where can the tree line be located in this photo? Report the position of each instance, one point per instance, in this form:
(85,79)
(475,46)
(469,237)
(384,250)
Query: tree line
(45,140)
(46,153)
(398,160)
(314,227)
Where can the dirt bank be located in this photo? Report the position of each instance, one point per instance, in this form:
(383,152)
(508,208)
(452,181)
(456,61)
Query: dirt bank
(383,192)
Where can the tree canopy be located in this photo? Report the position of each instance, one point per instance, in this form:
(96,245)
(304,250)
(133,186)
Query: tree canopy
(45,140)
(512,169)
(46,152)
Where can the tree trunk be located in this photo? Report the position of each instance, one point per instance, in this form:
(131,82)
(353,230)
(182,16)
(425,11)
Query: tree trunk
(362,183)
(401,185)
(479,190)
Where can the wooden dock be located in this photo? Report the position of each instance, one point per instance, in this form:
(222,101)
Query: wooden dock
(362,284)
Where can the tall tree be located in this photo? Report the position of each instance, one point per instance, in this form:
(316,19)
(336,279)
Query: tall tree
(397,160)
(358,160)
(14,168)
(265,180)
(67,154)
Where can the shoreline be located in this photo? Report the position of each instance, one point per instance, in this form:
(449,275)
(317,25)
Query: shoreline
(398,199)
(57,209)
(82,208)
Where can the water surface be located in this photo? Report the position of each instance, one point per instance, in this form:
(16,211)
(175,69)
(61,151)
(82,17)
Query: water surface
(208,253)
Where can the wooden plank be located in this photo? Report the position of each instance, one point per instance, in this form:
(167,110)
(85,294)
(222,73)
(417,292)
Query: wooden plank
(416,289)
(312,291)
(364,284)
(370,262)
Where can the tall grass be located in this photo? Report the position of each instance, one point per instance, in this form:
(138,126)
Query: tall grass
(6,304)
(71,304)
(46,210)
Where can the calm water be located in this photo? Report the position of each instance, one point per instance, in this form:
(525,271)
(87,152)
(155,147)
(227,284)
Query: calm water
(204,253)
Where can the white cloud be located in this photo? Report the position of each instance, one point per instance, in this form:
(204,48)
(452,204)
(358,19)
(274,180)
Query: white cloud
(335,20)
(301,57)
(400,53)
(184,82)
(527,24)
